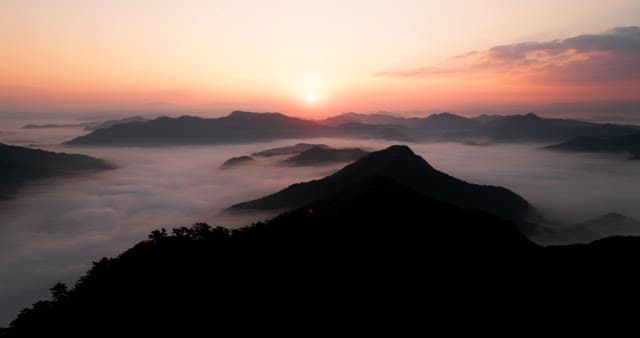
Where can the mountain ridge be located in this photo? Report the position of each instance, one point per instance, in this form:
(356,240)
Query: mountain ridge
(403,165)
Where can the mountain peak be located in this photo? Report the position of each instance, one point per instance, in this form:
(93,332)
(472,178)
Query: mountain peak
(400,149)
(393,155)
(247,114)
(401,164)
(444,115)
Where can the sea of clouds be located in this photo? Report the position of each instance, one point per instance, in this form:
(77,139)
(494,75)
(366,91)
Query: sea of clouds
(53,229)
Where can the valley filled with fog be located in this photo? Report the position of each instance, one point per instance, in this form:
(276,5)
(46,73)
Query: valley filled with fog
(53,229)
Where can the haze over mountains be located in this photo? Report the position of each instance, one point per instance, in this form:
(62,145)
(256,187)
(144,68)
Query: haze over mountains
(243,127)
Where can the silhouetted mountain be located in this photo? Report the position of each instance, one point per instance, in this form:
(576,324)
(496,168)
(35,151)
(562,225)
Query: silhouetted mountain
(623,144)
(442,121)
(487,118)
(19,166)
(407,168)
(508,128)
(111,123)
(532,128)
(447,121)
(323,155)
(375,119)
(240,127)
(234,128)
(373,249)
(237,127)
(288,150)
(237,161)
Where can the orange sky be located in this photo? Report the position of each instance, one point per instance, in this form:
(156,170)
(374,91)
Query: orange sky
(209,56)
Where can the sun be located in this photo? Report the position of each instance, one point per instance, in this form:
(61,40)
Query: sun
(312,97)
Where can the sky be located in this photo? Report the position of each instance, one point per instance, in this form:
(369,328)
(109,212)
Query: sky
(314,58)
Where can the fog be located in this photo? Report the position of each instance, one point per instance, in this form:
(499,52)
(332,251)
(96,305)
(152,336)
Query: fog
(52,230)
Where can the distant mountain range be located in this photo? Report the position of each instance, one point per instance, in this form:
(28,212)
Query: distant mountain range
(238,127)
(20,166)
(629,144)
(496,128)
(402,165)
(244,127)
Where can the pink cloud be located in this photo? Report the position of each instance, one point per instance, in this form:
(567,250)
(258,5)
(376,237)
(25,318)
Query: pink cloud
(594,58)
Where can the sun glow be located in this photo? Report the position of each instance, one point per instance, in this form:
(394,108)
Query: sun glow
(312,97)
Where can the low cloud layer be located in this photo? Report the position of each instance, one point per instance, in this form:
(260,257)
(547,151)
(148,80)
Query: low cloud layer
(609,57)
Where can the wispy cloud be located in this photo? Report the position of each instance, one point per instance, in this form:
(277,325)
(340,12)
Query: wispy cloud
(611,56)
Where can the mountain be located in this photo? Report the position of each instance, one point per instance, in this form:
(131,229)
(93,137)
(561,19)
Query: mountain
(324,155)
(623,144)
(487,118)
(402,165)
(509,128)
(242,127)
(447,121)
(374,119)
(236,162)
(20,165)
(237,127)
(288,150)
(533,128)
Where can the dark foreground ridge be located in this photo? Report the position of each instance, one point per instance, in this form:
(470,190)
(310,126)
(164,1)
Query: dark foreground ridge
(405,167)
(376,248)
(19,166)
